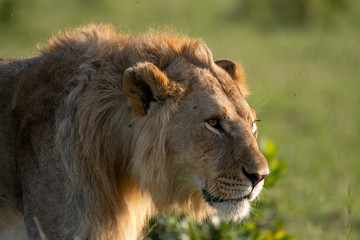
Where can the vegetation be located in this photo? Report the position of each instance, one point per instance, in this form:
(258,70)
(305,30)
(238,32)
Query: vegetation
(303,71)
(295,13)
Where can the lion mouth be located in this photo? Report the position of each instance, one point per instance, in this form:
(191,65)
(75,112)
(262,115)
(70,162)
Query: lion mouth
(212,199)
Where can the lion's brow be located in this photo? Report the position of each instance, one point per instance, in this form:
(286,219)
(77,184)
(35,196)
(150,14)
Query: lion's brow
(224,112)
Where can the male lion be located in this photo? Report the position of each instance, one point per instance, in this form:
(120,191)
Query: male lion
(104,130)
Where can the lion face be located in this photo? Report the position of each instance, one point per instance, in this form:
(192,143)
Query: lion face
(214,138)
(210,142)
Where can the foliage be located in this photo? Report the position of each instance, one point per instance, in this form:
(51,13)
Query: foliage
(263,224)
(293,13)
(6,10)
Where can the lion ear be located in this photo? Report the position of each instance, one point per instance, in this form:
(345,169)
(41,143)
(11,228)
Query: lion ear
(145,83)
(236,73)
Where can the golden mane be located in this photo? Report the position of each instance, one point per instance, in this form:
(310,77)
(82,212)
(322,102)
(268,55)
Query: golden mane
(157,46)
(85,130)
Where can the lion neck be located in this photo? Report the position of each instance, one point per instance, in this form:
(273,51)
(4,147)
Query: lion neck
(136,208)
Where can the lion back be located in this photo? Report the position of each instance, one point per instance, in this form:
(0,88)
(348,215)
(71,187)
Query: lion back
(9,186)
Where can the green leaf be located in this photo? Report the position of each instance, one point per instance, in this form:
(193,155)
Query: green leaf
(269,150)
(276,169)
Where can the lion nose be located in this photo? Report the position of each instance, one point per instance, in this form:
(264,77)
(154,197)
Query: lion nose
(254,177)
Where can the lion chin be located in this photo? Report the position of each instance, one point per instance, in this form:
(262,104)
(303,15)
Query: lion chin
(232,210)
(103,130)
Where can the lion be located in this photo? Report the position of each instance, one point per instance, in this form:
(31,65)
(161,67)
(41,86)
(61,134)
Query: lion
(103,130)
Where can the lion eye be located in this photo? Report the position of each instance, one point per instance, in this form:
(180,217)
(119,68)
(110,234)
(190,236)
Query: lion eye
(254,129)
(215,123)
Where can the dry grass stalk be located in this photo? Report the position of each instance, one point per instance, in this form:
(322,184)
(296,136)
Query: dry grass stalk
(348,221)
(41,232)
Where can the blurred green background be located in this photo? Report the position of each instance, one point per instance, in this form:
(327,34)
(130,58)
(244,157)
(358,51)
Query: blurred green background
(302,60)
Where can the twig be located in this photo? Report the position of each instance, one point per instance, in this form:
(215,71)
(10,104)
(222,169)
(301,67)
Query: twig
(41,232)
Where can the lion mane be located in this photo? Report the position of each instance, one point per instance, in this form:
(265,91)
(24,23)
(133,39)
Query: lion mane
(87,141)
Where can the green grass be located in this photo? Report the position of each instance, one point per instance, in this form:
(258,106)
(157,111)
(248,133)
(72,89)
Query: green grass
(305,85)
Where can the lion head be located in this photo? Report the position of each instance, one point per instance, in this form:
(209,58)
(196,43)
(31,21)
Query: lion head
(196,150)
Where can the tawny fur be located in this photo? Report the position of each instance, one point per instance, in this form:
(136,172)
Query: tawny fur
(86,127)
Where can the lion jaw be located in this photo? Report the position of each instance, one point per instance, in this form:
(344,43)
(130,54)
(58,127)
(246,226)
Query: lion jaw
(235,208)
